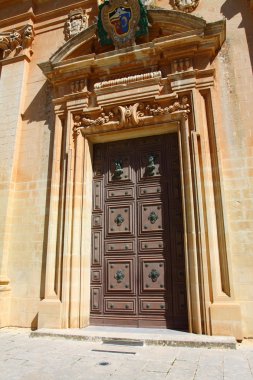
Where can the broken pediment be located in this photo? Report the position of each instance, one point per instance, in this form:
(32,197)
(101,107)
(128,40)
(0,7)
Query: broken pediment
(176,55)
(172,35)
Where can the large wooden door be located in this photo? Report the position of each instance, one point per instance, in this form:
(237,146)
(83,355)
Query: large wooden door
(138,268)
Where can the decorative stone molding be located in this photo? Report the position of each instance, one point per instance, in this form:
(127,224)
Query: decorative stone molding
(127,80)
(78,86)
(180,65)
(186,5)
(149,4)
(16,40)
(157,110)
(128,116)
(76,22)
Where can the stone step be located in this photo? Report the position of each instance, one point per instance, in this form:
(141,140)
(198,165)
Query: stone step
(138,337)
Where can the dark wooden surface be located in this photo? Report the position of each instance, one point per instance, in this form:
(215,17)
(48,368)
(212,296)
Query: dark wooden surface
(138,267)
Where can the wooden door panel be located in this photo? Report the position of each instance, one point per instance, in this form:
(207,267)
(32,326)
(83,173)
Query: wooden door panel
(120,169)
(120,247)
(125,192)
(148,190)
(120,276)
(151,217)
(97,221)
(153,306)
(98,195)
(151,166)
(137,265)
(122,306)
(119,219)
(152,275)
(96,276)
(96,246)
(96,298)
(152,246)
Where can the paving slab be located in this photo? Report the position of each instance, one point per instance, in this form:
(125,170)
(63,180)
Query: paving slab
(139,336)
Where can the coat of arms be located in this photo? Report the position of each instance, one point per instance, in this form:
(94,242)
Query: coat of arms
(121,21)
(186,5)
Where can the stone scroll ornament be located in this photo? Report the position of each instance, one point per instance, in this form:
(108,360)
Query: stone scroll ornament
(120,22)
(16,40)
(76,22)
(186,5)
(129,116)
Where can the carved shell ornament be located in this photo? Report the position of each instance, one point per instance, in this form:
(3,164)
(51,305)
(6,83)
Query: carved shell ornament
(186,5)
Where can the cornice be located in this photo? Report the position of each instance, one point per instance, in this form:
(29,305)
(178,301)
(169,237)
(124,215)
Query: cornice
(169,47)
(17,20)
(40,19)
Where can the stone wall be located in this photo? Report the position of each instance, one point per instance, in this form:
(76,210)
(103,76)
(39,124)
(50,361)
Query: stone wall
(26,141)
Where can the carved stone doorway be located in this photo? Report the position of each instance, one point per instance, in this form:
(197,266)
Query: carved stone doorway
(138,259)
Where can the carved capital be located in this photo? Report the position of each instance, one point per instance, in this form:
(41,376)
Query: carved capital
(186,5)
(16,40)
(76,22)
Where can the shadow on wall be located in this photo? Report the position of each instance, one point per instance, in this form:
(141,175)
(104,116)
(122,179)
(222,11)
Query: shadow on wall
(41,110)
(230,9)
(41,107)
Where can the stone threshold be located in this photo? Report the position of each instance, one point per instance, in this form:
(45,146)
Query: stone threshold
(138,337)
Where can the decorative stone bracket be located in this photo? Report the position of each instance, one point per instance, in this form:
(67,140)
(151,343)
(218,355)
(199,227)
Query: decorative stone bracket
(16,40)
(128,116)
(186,5)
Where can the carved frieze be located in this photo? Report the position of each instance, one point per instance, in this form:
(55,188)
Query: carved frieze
(16,40)
(76,22)
(128,116)
(186,5)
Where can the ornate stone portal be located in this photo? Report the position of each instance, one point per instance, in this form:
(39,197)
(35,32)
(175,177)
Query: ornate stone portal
(169,78)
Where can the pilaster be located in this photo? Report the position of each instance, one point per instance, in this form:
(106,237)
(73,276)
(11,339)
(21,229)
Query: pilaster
(12,94)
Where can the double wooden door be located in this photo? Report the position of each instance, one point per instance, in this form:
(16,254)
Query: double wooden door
(137,264)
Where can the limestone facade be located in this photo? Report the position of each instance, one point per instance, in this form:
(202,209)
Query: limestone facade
(61,92)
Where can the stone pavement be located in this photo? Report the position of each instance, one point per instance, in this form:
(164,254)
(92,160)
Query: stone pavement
(47,358)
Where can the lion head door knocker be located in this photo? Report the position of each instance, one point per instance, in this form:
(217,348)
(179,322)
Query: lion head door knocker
(121,21)
(186,5)
(150,168)
(118,171)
